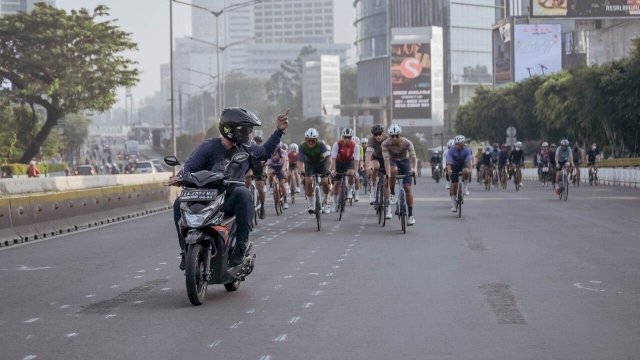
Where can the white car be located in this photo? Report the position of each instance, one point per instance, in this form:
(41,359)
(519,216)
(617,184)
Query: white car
(145,167)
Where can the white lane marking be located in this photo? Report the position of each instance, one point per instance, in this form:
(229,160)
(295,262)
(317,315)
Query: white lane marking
(265,357)
(294,319)
(156,269)
(314,274)
(345,254)
(313,251)
(288,276)
(72,335)
(301,262)
(266,298)
(579,286)
(29,357)
(235,325)
(65,306)
(90,295)
(141,271)
(281,338)
(356,235)
(138,302)
(277,286)
(297,269)
(351,245)
(114,286)
(165,289)
(329,274)
(29,337)
(595,282)
(336,267)
(27,268)
(137,277)
(109,316)
(340,260)
(163,263)
(251,311)
(32,320)
(324,283)
(317,293)
(307,305)
(347,250)
(215,343)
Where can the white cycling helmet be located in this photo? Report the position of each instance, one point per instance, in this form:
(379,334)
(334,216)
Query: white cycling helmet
(564,143)
(459,139)
(545,144)
(347,132)
(284,146)
(394,129)
(518,144)
(436,152)
(293,147)
(487,149)
(356,139)
(311,134)
(364,140)
(450,143)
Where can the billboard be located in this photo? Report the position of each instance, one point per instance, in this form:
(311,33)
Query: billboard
(411,80)
(537,50)
(502,55)
(417,76)
(585,8)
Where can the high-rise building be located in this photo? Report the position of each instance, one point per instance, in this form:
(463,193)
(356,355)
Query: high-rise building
(320,86)
(294,21)
(8,7)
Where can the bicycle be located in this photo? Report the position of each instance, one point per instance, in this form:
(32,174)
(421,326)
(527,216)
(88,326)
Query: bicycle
(494,176)
(291,181)
(278,198)
(576,176)
(318,204)
(504,177)
(593,175)
(544,174)
(517,177)
(342,197)
(402,209)
(459,194)
(257,206)
(564,184)
(486,175)
(380,205)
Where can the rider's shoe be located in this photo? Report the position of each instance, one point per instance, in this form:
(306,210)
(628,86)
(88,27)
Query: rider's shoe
(357,198)
(311,209)
(296,190)
(285,206)
(261,216)
(372,198)
(327,209)
(388,215)
(333,208)
(466,192)
(453,209)
(393,199)
(237,256)
(349,194)
(448,186)
(411,221)
(520,184)
(182,256)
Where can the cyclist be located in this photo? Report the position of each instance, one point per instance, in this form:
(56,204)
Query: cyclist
(543,158)
(450,144)
(364,144)
(563,156)
(516,158)
(359,165)
(399,157)
(459,160)
(313,158)
(591,158)
(374,161)
(257,172)
(436,159)
(486,162)
(293,167)
(275,168)
(345,156)
(477,163)
(577,157)
(495,153)
(552,162)
(503,158)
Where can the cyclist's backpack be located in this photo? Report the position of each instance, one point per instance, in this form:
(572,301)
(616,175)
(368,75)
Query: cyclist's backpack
(345,151)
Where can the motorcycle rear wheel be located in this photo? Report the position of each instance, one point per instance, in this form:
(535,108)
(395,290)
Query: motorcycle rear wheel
(196,285)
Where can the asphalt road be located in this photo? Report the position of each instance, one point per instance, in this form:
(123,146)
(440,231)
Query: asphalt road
(520,276)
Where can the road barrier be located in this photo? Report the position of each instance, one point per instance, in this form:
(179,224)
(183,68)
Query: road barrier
(33,216)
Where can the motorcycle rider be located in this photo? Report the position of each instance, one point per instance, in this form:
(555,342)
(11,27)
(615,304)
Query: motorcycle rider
(436,159)
(236,125)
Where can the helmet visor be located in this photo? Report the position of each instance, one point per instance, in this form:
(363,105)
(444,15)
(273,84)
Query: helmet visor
(242,134)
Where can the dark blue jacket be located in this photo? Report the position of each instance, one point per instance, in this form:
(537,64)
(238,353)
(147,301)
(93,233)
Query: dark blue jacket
(211,154)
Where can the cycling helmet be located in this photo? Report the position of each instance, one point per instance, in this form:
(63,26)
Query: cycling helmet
(552,145)
(347,132)
(293,147)
(459,139)
(564,143)
(436,152)
(545,144)
(518,144)
(594,146)
(356,139)
(495,145)
(394,129)
(284,146)
(257,140)
(377,129)
(311,134)
(364,140)
(487,149)
(450,143)
(236,124)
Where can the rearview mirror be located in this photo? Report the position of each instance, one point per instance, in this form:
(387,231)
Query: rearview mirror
(171,160)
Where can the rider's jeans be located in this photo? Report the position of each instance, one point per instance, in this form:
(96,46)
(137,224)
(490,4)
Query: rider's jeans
(238,202)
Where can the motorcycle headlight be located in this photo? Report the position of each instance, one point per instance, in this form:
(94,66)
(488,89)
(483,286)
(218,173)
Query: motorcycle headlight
(200,218)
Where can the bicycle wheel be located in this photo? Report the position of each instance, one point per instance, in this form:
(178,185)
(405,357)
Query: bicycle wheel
(566,189)
(402,210)
(378,203)
(385,208)
(276,199)
(318,208)
(459,202)
(342,199)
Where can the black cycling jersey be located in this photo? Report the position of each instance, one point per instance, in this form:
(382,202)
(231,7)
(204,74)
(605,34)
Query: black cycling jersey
(502,159)
(436,160)
(591,156)
(486,159)
(517,157)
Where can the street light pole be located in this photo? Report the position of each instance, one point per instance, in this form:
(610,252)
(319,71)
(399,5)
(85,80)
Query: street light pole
(173,124)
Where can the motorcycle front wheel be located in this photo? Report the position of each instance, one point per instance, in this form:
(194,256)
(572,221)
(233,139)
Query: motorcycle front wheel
(194,274)
(232,286)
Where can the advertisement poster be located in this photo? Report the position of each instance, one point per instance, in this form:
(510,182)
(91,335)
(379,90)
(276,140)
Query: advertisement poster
(585,8)
(537,50)
(502,55)
(411,80)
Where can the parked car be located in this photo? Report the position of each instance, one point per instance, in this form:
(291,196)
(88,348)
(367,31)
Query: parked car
(145,167)
(84,170)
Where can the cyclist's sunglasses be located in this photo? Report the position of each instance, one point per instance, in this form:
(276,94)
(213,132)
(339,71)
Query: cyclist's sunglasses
(377,134)
(394,136)
(347,137)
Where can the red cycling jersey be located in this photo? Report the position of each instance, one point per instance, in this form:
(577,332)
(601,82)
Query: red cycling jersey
(345,151)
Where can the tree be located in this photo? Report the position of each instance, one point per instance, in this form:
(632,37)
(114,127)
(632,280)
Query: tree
(64,62)
(76,131)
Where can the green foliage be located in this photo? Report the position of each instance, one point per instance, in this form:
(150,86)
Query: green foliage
(64,62)
(21,169)
(599,104)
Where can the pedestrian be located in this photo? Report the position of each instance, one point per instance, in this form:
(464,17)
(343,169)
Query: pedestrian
(33,171)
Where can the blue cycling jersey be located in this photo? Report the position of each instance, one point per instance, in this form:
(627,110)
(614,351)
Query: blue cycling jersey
(459,158)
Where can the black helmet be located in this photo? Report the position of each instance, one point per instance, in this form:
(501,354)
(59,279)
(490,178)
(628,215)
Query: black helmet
(377,129)
(236,124)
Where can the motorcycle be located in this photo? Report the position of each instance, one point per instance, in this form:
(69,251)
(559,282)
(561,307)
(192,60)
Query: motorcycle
(209,234)
(437,172)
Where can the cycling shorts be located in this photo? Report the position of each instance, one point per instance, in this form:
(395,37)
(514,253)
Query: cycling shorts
(404,168)
(342,167)
(278,170)
(312,169)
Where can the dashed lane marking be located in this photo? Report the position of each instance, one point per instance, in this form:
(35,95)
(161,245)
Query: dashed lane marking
(215,343)
(32,320)
(281,338)
(294,319)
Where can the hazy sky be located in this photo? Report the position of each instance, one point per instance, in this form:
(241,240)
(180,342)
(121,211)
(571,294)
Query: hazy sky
(148,22)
